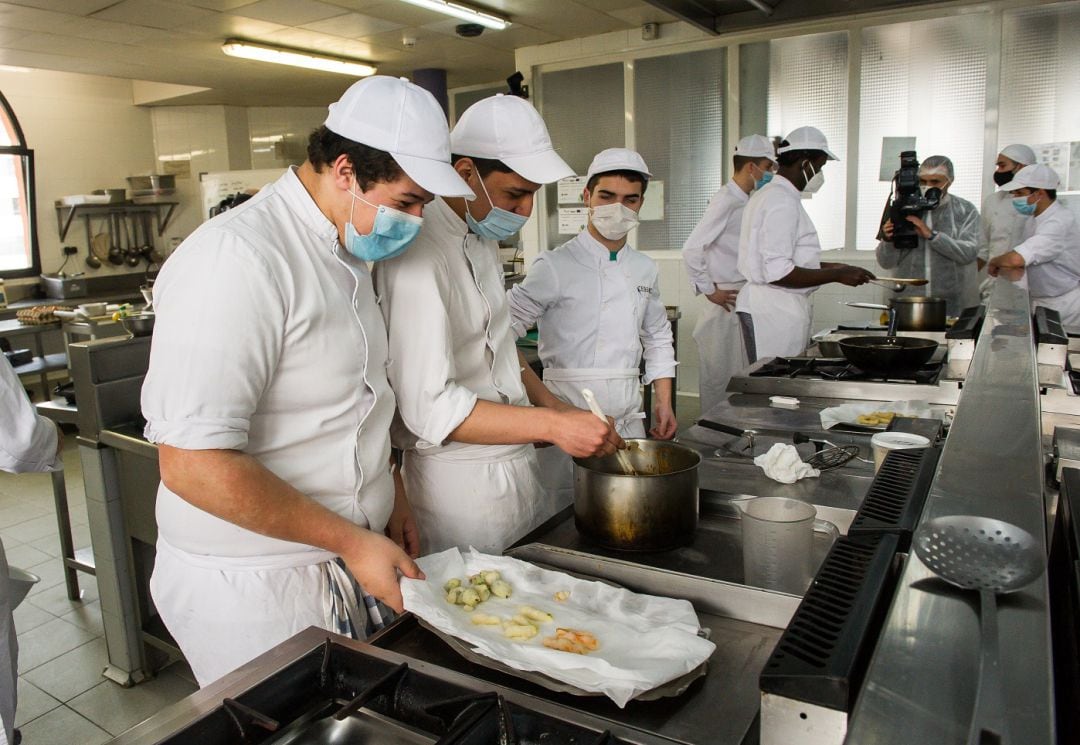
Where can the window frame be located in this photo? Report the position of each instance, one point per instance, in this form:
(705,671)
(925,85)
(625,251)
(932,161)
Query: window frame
(30,188)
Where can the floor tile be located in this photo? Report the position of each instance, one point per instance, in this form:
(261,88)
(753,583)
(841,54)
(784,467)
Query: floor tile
(31,530)
(50,544)
(117,709)
(33,702)
(50,573)
(15,511)
(48,641)
(72,673)
(29,616)
(63,726)
(87,617)
(55,599)
(24,556)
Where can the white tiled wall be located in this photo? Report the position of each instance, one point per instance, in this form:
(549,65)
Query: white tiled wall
(86,135)
(279,134)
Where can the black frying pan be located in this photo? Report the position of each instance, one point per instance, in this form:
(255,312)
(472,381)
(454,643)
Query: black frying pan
(884,355)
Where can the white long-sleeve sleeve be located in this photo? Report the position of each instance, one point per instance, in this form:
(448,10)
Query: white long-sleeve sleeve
(27,440)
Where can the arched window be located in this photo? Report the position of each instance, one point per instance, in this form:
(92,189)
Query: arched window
(18,221)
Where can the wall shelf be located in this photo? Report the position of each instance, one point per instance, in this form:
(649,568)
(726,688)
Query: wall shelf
(162,212)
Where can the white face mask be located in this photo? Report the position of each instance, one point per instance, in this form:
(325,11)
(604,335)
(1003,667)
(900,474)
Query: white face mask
(613,221)
(816,180)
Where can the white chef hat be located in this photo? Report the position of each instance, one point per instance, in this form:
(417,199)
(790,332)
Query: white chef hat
(403,119)
(756,146)
(807,138)
(617,159)
(1019,154)
(509,129)
(1033,177)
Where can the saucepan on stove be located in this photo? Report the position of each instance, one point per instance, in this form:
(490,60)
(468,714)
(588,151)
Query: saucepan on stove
(654,510)
(889,354)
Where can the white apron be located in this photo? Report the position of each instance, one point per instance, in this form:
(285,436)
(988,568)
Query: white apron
(484,496)
(781,319)
(618,391)
(721,349)
(1068,305)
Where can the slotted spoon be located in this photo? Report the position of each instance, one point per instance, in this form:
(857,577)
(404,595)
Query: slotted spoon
(991,556)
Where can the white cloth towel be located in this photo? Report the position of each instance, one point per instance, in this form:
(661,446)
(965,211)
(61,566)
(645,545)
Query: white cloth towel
(782,463)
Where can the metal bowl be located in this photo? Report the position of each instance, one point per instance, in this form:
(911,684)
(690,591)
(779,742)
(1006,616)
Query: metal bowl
(138,325)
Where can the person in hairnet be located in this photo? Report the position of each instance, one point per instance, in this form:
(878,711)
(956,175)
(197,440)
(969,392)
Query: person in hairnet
(1001,226)
(29,443)
(464,416)
(780,254)
(596,303)
(948,244)
(1050,250)
(711,256)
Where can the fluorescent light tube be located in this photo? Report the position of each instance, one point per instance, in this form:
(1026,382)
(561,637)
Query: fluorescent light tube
(460,11)
(296,58)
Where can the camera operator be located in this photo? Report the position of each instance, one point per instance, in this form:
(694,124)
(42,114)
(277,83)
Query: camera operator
(1002,227)
(947,247)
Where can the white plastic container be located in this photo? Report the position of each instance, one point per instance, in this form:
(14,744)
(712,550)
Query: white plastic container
(778,535)
(883,442)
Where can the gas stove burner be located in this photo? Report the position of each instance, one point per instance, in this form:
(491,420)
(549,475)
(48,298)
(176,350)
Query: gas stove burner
(838,368)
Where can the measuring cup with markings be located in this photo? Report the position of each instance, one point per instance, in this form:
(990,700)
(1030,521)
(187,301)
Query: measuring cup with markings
(778,541)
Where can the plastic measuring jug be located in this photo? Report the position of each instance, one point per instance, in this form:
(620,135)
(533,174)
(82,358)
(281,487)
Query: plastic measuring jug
(778,541)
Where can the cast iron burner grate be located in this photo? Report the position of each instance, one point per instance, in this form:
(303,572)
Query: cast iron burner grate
(336,695)
(837,368)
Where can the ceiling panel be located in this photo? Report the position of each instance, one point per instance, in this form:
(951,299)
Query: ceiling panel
(353,25)
(289,12)
(152,13)
(74,7)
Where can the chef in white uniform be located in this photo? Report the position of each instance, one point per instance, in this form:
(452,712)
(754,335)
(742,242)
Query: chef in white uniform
(267,393)
(1002,227)
(780,255)
(28,443)
(1050,251)
(711,255)
(464,393)
(596,303)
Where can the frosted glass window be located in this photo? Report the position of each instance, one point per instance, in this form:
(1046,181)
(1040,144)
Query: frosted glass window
(808,79)
(678,119)
(584,113)
(1040,81)
(926,80)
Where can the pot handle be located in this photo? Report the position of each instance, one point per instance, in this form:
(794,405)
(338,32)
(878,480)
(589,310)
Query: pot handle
(824,526)
(725,428)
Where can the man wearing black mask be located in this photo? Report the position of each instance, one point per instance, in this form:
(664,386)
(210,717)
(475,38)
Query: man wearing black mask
(1002,227)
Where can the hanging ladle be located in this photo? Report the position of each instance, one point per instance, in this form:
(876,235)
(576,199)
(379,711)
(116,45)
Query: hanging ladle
(991,556)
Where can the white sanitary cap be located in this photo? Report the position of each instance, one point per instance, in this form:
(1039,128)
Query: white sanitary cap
(403,119)
(807,138)
(618,159)
(509,129)
(1033,177)
(1019,154)
(756,146)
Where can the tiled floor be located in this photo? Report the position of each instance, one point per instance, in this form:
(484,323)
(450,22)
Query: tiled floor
(63,698)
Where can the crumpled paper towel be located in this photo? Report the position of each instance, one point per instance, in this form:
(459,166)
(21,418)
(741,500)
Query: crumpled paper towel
(782,463)
(645,640)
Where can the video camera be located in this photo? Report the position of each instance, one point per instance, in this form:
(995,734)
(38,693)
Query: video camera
(908,199)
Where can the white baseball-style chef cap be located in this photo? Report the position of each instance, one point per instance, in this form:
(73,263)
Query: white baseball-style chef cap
(617,159)
(403,119)
(1033,177)
(756,146)
(1019,154)
(807,138)
(509,129)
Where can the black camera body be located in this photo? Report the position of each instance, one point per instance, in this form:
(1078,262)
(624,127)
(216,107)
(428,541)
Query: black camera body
(908,199)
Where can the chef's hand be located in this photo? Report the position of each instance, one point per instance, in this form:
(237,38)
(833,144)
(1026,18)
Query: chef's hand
(852,276)
(401,528)
(920,226)
(887,230)
(376,561)
(1007,260)
(581,434)
(664,424)
(724,298)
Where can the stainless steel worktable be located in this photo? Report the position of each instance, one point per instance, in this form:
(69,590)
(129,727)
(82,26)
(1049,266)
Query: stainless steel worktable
(921,684)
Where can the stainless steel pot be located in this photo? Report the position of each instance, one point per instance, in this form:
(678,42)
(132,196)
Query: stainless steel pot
(655,510)
(919,313)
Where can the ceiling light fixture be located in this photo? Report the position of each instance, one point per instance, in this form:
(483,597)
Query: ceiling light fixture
(464,13)
(297,58)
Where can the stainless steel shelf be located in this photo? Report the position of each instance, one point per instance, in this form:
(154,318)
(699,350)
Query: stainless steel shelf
(65,213)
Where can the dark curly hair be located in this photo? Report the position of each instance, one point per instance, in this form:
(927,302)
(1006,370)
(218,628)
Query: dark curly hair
(371,166)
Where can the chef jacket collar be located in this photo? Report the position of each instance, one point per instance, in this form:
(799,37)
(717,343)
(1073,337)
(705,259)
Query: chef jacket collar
(737,192)
(444,219)
(305,208)
(597,252)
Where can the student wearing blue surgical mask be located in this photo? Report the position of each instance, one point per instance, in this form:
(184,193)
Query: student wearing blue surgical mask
(471,410)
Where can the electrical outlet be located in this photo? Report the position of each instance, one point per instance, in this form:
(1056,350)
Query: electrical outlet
(71,250)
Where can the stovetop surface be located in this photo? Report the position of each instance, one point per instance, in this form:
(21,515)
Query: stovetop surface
(838,368)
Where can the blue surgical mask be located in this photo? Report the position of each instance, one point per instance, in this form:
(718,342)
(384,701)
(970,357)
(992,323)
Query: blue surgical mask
(766,177)
(1021,205)
(499,224)
(391,233)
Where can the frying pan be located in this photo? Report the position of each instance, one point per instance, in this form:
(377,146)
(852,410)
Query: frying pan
(883,355)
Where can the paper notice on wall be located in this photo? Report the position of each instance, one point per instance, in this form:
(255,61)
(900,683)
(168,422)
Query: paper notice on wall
(178,168)
(1073,182)
(570,189)
(572,220)
(891,147)
(1056,155)
(653,206)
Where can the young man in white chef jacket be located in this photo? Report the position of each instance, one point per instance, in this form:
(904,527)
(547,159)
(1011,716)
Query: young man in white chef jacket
(1050,251)
(463,390)
(596,303)
(780,254)
(711,255)
(1001,227)
(267,391)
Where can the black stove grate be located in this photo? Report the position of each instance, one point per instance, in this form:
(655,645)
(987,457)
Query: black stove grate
(838,368)
(897,495)
(822,656)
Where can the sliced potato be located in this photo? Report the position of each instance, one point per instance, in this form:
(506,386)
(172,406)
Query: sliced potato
(518,631)
(486,619)
(535,614)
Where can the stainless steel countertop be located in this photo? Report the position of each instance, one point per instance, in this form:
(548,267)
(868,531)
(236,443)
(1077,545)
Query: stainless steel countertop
(920,687)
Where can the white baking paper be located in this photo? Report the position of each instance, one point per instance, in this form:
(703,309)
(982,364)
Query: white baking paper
(645,641)
(850,413)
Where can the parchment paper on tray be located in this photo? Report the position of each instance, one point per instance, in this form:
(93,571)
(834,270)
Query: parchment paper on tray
(645,641)
(850,413)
